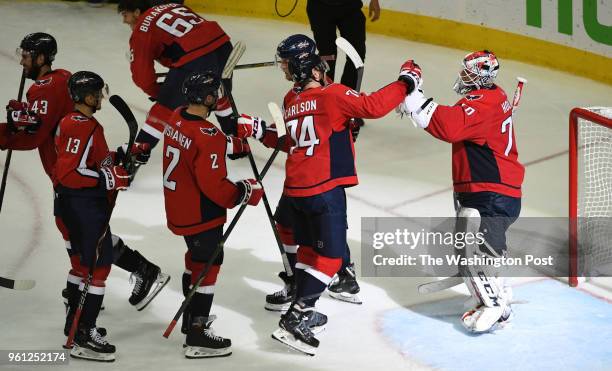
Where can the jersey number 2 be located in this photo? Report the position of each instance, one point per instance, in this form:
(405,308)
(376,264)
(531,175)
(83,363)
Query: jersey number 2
(173,154)
(182,21)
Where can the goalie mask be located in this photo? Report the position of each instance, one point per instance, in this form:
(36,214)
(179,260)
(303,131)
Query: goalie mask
(479,71)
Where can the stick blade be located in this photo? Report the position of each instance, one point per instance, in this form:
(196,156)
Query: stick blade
(232,60)
(350,52)
(443,284)
(277,116)
(17,284)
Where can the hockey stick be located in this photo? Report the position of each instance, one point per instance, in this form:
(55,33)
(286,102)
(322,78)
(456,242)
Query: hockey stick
(352,54)
(518,93)
(132,124)
(227,73)
(238,67)
(9,153)
(443,284)
(17,284)
(281,130)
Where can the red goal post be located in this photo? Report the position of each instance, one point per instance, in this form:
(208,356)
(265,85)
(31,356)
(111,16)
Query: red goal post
(590,187)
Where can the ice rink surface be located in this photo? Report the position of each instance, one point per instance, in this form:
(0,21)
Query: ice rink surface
(402,171)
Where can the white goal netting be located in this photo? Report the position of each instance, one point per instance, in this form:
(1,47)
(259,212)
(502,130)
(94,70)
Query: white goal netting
(595,196)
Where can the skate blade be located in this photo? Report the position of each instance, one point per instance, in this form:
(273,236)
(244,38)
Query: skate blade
(200,352)
(289,340)
(90,355)
(342,296)
(160,283)
(277,307)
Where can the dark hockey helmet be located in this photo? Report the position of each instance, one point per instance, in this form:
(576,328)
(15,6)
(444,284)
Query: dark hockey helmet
(84,83)
(301,65)
(294,45)
(38,43)
(199,85)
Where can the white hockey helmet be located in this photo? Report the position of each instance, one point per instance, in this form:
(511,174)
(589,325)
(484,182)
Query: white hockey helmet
(479,71)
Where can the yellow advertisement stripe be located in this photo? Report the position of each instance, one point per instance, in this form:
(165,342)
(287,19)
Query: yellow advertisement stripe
(439,32)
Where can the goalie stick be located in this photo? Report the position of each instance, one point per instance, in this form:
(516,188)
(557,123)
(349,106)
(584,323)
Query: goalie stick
(281,131)
(455,280)
(132,124)
(237,53)
(9,153)
(17,284)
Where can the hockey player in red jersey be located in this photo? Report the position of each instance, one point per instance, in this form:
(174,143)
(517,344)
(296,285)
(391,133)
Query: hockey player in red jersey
(345,286)
(487,175)
(197,195)
(320,165)
(32,125)
(177,38)
(86,177)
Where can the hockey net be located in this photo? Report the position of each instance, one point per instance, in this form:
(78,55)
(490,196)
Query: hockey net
(590,203)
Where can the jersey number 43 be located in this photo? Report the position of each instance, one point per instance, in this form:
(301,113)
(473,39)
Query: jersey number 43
(304,134)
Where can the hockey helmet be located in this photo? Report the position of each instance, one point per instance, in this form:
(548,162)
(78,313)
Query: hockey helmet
(479,70)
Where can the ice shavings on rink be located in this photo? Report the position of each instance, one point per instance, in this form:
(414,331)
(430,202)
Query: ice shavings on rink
(560,328)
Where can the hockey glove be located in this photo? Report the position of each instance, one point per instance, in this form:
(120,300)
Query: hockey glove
(410,73)
(250,126)
(140,152)
(237,148)
(19,118)
(115,177)
(251,192)
(355,125)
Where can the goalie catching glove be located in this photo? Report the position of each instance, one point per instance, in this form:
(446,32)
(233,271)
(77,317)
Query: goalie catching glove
(251,192)
(19,118)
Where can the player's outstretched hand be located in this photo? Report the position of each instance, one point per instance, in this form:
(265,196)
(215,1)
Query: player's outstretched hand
(251,192)
(115,177)
(411,74)
(250,126)
(140,152)
(237,148)
(19,118)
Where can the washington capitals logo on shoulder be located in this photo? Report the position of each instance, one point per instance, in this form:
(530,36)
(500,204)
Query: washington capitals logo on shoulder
(43,82)
(80,118)
(473,97)
(209,131)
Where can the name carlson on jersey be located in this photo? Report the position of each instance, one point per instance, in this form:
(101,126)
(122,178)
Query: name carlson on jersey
(309,105)
(178,137)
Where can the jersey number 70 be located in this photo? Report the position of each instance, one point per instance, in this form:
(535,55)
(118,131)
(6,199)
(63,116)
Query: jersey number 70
(306,131)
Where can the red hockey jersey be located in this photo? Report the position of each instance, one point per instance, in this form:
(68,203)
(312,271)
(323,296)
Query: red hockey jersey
(197,192)
(485,155)
(49,98)
(81,152)
(323,156)
(173,35)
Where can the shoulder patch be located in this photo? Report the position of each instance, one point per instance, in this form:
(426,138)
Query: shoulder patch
(209,131)
(43,81)
(80,118)
(473,97)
